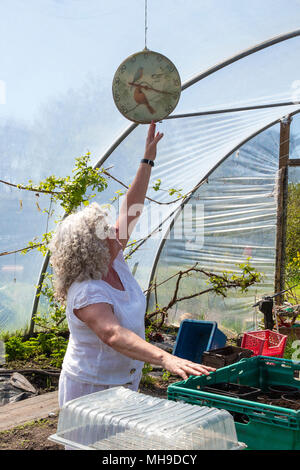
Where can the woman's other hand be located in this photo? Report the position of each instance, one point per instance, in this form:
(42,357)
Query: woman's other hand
(184,368)
(152,141)
(101,319)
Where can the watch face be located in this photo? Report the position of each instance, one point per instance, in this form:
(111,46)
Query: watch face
(146,87)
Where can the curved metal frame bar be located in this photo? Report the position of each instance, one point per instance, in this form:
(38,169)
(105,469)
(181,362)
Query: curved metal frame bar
(241,55)
(233,110)
(187,84)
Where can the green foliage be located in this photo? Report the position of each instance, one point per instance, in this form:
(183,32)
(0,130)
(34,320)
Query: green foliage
(54,321)
(50,340)
(69,192)
(192,282)
(291,347)
(15,348)
(293,269)
(178,193)
(43,345)
(292,278)
(293,222)
(148,332)
(118,193)
(171,191)
(247,277)
(166,375)
(147,379)
(157,184)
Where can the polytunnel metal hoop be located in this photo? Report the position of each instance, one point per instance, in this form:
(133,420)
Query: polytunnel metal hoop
(233,110)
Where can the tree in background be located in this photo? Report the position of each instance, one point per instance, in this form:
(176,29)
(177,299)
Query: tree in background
(293,241)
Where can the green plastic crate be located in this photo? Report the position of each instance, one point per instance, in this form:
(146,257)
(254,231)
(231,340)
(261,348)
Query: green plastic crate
(259,426)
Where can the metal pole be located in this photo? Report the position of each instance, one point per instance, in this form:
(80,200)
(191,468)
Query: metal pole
(232,110)
(284,151)
(36,299)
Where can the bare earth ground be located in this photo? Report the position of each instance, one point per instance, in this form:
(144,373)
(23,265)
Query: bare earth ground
(31,436)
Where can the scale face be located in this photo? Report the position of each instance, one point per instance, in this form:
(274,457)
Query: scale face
(146,87)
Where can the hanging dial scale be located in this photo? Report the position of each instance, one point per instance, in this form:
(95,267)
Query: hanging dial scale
(146,86)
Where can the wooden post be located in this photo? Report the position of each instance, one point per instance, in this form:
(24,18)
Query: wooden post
(284,150)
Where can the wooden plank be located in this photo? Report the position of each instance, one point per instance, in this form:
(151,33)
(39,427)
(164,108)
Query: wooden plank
(294,162)
(284,150)
(30,409)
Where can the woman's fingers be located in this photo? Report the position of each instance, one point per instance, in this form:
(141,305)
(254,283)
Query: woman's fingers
(201,367)
(196,370)
(183,375)
(158,137)
(151,131)
(191,368)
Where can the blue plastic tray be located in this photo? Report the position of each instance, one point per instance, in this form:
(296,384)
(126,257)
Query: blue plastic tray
(196,336)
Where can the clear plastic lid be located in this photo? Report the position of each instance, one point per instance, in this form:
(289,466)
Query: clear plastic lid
(118,418)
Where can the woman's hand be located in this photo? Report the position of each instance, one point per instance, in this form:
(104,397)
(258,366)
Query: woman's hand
(152,141)
(183,367)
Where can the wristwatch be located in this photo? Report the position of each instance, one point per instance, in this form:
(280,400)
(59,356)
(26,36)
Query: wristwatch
(145,160)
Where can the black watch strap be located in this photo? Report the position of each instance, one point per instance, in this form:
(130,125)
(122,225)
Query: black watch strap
(145,160)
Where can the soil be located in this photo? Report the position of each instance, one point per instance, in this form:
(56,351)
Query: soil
(31,436)
(295,405)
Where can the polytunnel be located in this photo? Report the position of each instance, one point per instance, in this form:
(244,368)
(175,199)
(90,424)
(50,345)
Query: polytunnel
(235,127)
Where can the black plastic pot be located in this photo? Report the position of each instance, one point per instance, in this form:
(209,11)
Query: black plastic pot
(233,390)
(269,398)
(280,390)
(292,397)
(225,356)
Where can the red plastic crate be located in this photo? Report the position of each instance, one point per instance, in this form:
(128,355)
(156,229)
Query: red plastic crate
(265,343)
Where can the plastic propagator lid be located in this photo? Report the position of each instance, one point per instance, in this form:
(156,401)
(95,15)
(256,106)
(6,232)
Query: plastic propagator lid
(118,418)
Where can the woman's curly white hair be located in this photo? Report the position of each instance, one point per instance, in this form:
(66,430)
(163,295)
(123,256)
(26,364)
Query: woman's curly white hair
(79,249)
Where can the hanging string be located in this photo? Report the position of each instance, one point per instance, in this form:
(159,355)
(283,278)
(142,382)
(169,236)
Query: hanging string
(15,278)
(146,28)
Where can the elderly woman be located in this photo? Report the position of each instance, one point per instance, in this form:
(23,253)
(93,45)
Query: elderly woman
(105,306)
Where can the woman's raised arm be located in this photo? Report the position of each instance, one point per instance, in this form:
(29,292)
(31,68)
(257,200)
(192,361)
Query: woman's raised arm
(133,203)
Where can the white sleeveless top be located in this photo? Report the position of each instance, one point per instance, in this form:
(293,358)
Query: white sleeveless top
(87,358)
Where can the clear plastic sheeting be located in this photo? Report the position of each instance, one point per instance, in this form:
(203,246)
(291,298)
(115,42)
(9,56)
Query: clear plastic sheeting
(237,220)
(268,76)
(119,419)
(22,221)
(190,150)
(294,176)
(295,134)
